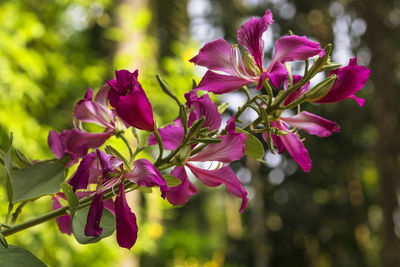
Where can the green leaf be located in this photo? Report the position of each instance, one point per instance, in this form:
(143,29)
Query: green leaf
(171,181)
(107,223)
(167,89)
(22,157)
(37,180)
(253,147)
(14,256)
(3,240)
(73,200)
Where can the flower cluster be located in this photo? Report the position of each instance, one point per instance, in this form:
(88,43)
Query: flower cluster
(196,142)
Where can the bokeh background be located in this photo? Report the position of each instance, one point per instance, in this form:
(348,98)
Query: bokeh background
(345,212)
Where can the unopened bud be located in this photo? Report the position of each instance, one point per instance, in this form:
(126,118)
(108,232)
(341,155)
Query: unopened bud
(329,65)
(321,89)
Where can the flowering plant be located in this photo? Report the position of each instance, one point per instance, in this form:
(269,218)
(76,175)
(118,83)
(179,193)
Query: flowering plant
(95,198)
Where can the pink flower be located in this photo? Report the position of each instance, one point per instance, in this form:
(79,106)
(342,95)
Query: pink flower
(311,124)
(230,148)
(130,101)
(220,56)
(350,79)
(78,141)
(99,167)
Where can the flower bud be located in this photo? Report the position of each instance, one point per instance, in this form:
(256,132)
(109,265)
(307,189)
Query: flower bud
(321,89)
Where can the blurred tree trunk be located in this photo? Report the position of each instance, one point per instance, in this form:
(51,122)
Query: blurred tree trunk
(384,110)
(257,224)
(171,23)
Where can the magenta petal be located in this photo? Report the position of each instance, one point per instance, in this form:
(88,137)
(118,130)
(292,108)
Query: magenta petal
(220,84)
(107,162)
(126,221)
(80,179)
(181,193)
(92,227)
(145,174)
(171,136)
(360,101)
(277,142)
(63,222)
(295,147)
(225,176)
(215,55)
(109,205)
(250,36)
(89,111)
(79,142)
(312,124)
(290,48)
(55,144)
(203,106)
(135,110)
(349,80)
(230,148)
(263,76)
(278,75)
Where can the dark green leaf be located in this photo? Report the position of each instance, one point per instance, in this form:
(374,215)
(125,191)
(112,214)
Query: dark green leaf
(167,89)
(18,257)
(3,240)
(73,200)
(253,147)
(22,157)
(196,126)
(37,180)
(107,223)
(171,181)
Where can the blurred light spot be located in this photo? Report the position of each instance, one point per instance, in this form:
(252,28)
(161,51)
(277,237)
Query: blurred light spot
(393,18)
(276,176)
(358,27)
(155,231)
(273,160)
(325,233)
(375,216)
(96,9)
(274,222)
(362,234)
(320,196)
(197,8)
(103,20)
(336,9)
(342,43)
(281,196)
(364,56)
(244,175)
(315,17)
(77,17)
(289,166)
(287,11)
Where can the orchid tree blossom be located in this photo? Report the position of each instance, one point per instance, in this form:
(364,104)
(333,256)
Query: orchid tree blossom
(78,141)
(350,79)
(172,135)
(230,148)
(107,171)
(128,98)
(311,124)
(219,56)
